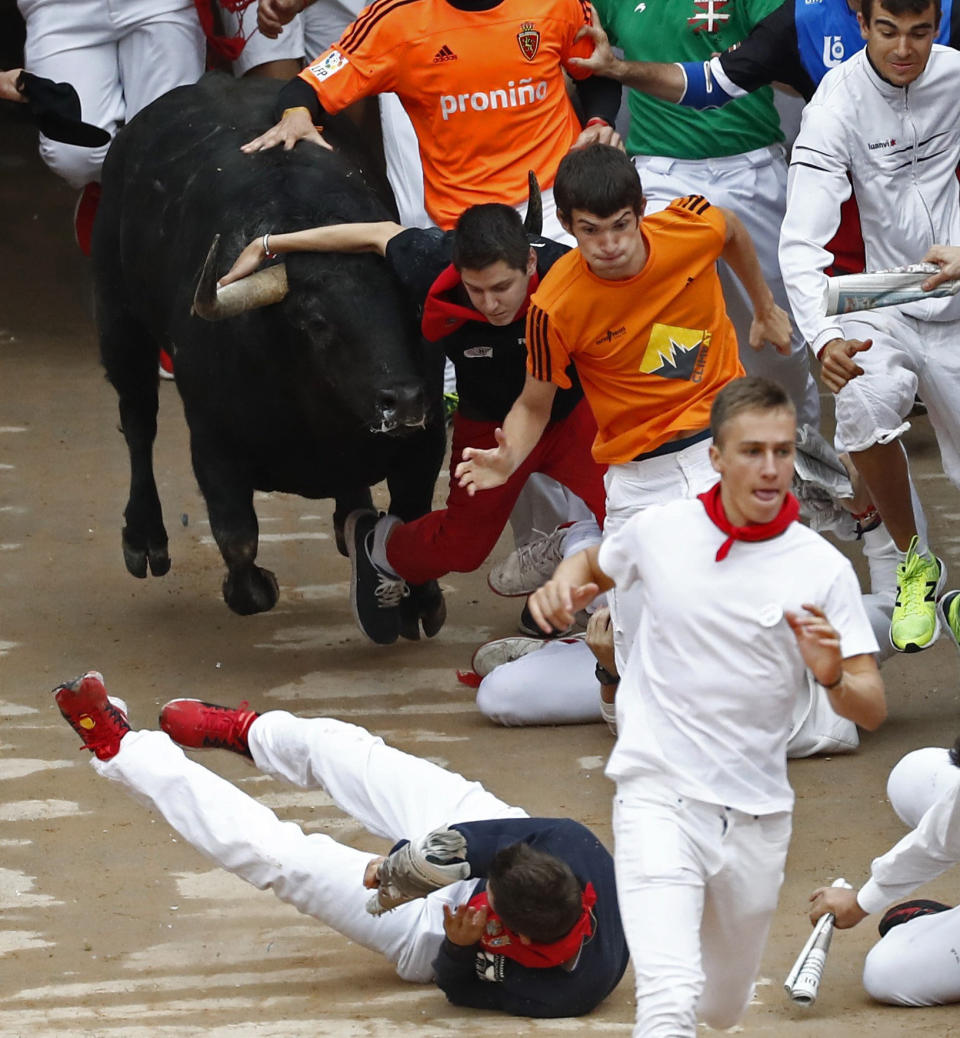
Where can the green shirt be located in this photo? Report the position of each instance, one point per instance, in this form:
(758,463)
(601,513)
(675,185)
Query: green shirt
(690,30)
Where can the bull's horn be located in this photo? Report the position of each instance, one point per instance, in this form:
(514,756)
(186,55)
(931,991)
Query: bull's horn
(533,221)
(259,289)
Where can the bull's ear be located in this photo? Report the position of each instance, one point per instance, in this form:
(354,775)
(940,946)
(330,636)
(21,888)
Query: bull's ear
(250,293)
(533,221)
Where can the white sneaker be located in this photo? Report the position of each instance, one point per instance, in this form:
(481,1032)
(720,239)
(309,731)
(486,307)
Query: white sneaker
(529,567)
(491,655)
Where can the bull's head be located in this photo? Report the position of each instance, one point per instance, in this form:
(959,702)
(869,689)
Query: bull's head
(259,289)
(396,405)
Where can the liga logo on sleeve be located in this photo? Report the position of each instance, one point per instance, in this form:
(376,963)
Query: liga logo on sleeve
(328,64)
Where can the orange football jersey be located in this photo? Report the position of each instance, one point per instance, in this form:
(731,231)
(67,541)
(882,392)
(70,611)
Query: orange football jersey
(484,90)
(651,351)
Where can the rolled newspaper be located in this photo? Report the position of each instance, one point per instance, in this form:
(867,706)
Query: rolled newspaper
(893,287)
(802,983)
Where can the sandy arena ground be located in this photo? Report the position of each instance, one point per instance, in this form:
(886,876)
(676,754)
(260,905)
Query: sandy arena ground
(112,926)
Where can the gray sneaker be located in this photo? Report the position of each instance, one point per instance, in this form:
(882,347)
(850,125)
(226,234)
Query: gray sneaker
(529,567)
(491,655)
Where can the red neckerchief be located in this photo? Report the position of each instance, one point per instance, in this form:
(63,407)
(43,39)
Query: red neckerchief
(443,315)
(228,47)
(498,940)
(713,503)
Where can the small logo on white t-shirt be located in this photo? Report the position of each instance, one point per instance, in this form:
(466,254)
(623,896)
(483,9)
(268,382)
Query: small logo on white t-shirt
(770,615)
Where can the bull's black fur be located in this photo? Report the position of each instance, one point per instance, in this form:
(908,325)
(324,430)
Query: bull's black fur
(282,398)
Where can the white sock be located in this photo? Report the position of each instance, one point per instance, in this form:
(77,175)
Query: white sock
(378,549)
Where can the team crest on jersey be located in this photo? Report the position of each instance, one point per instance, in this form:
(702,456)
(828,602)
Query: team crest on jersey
(710,15)
(679,353)
(529,39)
(328,65)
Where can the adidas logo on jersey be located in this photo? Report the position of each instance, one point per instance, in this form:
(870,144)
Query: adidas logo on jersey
(444,54)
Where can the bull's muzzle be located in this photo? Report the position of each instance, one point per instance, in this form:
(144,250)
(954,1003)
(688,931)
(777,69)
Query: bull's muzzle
(400,407)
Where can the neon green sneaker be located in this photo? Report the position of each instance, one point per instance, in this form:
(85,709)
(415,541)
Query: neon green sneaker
(915,625)
(949,609)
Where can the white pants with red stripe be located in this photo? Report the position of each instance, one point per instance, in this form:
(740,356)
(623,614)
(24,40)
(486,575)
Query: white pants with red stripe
(391,793)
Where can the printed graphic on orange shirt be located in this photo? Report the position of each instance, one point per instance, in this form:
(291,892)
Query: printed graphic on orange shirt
(679,353)
(328,64)
(529,39)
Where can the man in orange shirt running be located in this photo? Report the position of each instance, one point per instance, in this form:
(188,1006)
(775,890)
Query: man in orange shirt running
(483,84)
(639,310)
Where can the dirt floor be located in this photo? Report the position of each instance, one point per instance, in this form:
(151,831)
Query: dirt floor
(112,926)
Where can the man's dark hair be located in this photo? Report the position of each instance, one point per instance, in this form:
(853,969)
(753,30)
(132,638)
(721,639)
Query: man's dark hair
(597,179)
(488,233)
(534,893)
(747,394)
(899,7)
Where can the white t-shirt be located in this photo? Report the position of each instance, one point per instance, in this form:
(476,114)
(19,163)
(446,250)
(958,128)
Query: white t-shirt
(714,669)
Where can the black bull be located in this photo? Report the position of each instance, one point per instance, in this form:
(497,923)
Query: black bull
(322,393)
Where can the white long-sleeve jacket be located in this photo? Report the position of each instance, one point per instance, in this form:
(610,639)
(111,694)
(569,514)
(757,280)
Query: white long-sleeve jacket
(922,855)
(898,149)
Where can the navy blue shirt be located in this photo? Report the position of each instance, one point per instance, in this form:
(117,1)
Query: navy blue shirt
(471,976)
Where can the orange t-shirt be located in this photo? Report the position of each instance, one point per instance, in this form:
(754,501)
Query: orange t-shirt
(483,89)
(651,351)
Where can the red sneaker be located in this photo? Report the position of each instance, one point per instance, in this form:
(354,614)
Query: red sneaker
(207,726)
(84,214)
(100,721)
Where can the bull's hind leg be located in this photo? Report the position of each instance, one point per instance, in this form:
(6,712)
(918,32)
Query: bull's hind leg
(130,357)
(247,588)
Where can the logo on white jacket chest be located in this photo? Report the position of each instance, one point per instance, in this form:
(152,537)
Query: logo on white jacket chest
(881,145)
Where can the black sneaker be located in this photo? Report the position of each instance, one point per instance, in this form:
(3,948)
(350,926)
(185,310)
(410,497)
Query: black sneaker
(426,606)
(374,595)
(907,911)
(528,626)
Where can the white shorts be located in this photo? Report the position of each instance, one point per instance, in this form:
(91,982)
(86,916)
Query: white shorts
(260,49)
(907,357)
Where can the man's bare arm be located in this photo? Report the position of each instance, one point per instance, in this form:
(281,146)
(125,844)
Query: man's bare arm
(770,323)
(522,428)
(658,79)
(342,237)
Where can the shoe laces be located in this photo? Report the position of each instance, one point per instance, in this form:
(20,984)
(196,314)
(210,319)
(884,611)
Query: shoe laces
(545,549)
(390,591)
(913,584)
(227,722)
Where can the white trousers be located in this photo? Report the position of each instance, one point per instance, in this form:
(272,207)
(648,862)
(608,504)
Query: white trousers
(697,885)
(557,685)
(907,356)
(118,63)
(631,488)
(754,186)
(391,793)
(916,963)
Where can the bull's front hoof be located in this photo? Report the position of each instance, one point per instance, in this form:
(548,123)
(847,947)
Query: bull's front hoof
(136,557)
(424,605)
(250,591)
